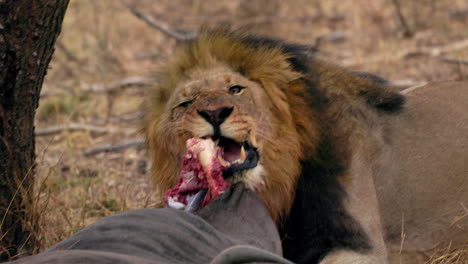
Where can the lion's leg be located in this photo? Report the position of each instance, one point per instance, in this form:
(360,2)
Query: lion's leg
(362,204)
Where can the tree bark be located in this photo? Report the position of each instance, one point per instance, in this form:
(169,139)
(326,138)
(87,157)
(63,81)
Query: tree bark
(28,30)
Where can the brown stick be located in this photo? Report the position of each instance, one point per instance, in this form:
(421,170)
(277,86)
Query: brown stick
(68,54)
(454,61)
(47,92)
(114,146)
(123,83)
(47,131)
(432,52)
(164,29)
(407,31)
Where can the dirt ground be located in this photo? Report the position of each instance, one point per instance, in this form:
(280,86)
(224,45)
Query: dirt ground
(103,44)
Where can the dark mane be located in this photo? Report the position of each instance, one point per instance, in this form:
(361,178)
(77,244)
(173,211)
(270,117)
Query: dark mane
(299,54)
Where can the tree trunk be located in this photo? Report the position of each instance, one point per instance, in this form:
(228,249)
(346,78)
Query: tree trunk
(28,30)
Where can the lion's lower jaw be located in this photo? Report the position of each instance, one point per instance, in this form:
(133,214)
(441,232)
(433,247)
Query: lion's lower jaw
(252,178)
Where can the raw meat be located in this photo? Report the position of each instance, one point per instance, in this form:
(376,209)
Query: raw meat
(201,175)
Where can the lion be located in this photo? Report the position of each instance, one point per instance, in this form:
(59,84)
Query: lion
(338,157)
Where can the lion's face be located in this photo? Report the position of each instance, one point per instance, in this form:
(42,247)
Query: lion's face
(223,105)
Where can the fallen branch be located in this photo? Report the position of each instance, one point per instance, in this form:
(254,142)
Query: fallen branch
(257,20)
(47,131)
(407,32)
(454,61)
(124,83)
(164,29)
(68,54)
(437,51)
(47,92)
(115,146)
(136,116)
(425,51)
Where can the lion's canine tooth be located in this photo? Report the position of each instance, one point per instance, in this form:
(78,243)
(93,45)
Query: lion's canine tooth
(223,162)
(252,139)
(242,155)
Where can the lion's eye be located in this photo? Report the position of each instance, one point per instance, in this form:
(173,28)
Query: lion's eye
(185,104)
(236,89)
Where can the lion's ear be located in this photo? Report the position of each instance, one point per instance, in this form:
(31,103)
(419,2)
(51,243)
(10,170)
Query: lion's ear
(384,100)
(379,93)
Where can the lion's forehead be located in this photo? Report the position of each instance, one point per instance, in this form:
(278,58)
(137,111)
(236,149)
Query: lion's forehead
(209,81)
(202,78)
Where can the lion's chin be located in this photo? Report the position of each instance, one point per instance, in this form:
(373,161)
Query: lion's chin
(207,164)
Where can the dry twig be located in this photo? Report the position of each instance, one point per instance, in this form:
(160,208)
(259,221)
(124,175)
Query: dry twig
(135,116)
(437,51)
(257,20)
(47,92)
(123,83)
(47,131)
(163,28)
(68,54)
(409,53)
(114,146)
(407,32)
(454,61)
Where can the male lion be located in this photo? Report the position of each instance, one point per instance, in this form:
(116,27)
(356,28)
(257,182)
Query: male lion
(331,152)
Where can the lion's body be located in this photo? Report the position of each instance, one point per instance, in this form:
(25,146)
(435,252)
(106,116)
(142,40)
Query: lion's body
(326,136)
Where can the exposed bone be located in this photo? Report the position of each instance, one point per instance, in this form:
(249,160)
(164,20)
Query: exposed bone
(174,204)
(207,153)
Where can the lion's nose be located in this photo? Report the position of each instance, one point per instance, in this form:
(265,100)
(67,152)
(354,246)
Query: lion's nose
(216,117)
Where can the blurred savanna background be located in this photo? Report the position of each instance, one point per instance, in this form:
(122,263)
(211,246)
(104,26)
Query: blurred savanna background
(91,161)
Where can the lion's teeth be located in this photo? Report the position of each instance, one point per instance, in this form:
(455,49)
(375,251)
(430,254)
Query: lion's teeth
(223,162)
(252,139)
(242,154)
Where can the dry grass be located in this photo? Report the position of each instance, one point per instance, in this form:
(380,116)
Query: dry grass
(102,42)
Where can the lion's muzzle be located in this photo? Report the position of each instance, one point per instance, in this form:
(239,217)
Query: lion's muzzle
(216,117)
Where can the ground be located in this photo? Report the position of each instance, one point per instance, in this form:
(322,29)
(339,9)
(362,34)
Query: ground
(102,43)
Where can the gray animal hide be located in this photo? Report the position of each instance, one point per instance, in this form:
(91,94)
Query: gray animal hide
(237,217)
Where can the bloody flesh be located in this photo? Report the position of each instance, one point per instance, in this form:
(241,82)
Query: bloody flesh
(201,169)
